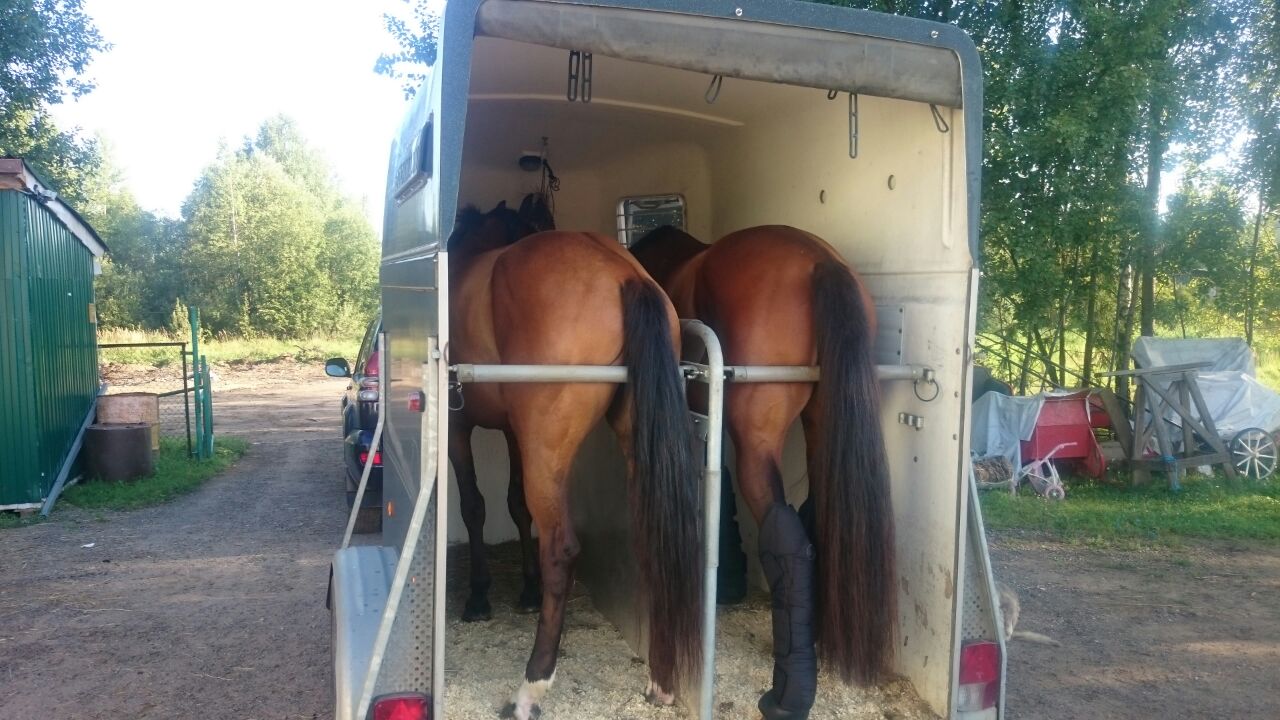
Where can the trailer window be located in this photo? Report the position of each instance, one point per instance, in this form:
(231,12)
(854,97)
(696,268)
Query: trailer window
(637,216)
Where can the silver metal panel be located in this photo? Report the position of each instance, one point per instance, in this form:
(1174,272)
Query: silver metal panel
(736,48)
(404,647)
(361,577)
(411,309)
(709,432)
(890,331)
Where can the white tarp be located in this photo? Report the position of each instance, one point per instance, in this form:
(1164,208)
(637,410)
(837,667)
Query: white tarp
(1224,353)
(1237,401)
(1001,423)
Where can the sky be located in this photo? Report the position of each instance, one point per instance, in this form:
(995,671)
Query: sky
(184,76)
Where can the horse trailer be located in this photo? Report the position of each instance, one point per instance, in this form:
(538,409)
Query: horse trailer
(710,115)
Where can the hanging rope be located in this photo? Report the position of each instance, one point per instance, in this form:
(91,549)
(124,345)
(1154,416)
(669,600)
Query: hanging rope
(938,120)
(713,90)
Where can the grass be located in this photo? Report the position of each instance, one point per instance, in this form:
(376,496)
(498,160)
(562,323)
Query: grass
(175,474)
(1267,349)
(226,350)
(1108,513)
(13,520)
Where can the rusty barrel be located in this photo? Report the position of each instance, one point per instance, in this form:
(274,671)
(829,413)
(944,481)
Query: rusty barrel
(119,452)
(131,408)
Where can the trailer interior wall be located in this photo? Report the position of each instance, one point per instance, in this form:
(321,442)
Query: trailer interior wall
(766,153)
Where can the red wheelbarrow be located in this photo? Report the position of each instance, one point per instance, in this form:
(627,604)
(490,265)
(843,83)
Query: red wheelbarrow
(1066,423)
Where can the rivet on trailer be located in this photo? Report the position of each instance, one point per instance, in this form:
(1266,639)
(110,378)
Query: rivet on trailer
(713,117)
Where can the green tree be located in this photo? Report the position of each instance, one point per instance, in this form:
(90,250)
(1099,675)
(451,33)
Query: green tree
(1257,95)
(45,47)
(1207,252)
(272,247)
(255,236)
(417,41)
(280,139)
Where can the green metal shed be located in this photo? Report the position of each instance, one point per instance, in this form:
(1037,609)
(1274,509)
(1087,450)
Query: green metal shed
(48,335)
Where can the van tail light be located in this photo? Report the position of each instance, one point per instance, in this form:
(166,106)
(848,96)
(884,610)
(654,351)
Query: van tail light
(377,457)
(402,706)
(417,401)
(371,365)
(979,676)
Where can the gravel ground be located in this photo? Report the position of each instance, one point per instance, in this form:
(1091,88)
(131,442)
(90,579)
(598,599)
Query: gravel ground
(211,606)
(598,676)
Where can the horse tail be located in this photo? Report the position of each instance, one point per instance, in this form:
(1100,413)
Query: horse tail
(665,491)
(856,598)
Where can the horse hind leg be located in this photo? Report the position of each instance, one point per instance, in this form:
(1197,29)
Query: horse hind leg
(558,550)
(472,505)
(550,424)
(530,599)
(759,418)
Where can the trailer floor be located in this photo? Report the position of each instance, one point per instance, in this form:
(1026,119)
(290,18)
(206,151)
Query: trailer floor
(598,676)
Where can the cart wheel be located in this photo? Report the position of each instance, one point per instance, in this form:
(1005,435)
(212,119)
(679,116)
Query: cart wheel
(1254,452)
(1055,492)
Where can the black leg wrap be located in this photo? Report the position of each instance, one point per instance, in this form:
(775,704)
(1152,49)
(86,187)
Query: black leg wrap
(731,575)
(808,518)
(787,558)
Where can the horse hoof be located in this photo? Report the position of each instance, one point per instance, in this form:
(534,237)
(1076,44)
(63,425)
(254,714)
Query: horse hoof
(477,610)
(655,695)
(509,712)
(530,601)
(770,709)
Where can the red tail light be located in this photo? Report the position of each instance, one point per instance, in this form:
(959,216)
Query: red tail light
(406,706)
(979,676)
(377,457)
(371,365)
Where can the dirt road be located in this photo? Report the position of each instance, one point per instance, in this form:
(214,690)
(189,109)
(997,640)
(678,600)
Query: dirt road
(211,606)
(1154,633)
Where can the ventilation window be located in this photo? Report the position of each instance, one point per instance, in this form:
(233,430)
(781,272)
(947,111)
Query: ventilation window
(637,216)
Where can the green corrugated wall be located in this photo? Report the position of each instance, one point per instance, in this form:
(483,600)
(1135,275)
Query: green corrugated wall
(48,346)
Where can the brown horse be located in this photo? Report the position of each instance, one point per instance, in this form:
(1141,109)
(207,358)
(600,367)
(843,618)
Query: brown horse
(776,295)
(568,298)
(533,216)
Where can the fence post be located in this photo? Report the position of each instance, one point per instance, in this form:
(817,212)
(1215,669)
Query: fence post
(208,407)
(186,399)
(193,318)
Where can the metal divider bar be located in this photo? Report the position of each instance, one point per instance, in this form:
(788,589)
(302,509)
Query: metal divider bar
(376,444)
(714,377)
(468,373)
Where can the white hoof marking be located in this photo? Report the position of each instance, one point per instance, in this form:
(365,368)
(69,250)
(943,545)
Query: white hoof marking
(656,695)
(527,697)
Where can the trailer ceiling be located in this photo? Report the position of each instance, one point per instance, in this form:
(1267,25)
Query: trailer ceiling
(735,48)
